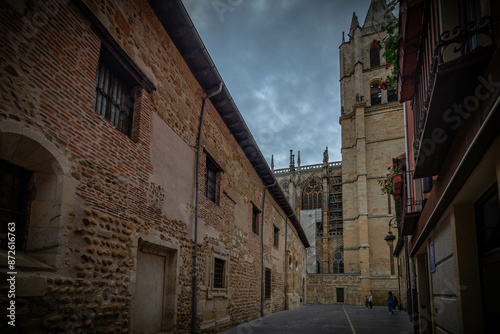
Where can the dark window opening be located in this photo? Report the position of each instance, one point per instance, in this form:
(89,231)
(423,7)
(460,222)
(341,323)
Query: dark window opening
(276,236)
(115,92)
(375,93)
(392,95)
(487,211)
(268,283)
(374,57)
(340,295)
(255,220)
(16,184)
(219,273)
(211,172)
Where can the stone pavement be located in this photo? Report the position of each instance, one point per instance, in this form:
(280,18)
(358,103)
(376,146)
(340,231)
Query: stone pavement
(331,319)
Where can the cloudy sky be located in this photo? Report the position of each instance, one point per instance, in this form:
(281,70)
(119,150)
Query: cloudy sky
(280,61)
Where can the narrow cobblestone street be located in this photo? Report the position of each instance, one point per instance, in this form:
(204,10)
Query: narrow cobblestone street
(322,319)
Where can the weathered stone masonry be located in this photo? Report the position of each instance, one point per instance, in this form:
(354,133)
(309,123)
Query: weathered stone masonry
(105,205)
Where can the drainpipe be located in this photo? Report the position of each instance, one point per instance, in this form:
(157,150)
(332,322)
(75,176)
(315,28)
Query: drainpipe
(262,251)
(194,298)
(286,262)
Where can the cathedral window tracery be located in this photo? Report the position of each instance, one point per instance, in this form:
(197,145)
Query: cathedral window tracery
(312,195)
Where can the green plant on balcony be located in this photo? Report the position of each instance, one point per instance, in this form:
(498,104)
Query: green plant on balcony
(392,183)
(390,45)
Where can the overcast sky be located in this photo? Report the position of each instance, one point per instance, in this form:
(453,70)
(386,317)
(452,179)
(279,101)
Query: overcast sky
(280,61)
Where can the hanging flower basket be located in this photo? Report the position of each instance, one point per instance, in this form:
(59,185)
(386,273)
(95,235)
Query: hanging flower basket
(393,183)
(397,183)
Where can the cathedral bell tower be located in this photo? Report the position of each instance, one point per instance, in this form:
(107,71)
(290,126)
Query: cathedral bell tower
(372,134)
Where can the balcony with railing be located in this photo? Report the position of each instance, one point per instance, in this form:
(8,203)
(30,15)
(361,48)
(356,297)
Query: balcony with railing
(410,207)
(445,47)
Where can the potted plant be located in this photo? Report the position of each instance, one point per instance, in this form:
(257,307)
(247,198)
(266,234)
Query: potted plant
(393,182)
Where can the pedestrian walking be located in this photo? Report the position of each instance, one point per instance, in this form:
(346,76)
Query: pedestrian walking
(390,302)
(366,301)
(396,302)
(370,300)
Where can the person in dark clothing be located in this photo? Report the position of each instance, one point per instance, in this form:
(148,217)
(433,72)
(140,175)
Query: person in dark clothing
(390,302)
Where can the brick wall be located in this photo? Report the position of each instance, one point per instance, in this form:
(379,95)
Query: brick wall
(113,194)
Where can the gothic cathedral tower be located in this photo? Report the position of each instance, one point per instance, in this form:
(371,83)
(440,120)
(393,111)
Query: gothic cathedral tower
(372,134)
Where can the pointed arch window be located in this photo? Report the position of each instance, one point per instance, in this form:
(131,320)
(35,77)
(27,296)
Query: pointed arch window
(375,93)
(312,195)
(338,261)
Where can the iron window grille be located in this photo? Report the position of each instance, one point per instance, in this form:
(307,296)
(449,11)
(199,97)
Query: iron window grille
(115,92)
(212,171)
(219,273)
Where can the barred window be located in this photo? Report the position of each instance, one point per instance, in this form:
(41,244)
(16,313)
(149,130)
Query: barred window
(212,169)
(219,273)
(115,92)
(267,289)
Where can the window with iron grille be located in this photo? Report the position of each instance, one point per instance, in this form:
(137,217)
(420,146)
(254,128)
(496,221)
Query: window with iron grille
(268,282)
(255,220)
(115,92)
(276,236)
(212,169)
(219,273)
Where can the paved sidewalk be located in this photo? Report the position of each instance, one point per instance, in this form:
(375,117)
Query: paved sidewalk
(331,319)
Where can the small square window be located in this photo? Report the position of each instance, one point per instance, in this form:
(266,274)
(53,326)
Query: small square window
(255,219)
(268,282)
(276,236)
(218,279)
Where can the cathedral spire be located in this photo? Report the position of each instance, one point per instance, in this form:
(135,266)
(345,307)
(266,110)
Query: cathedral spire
(272,162)
(298,160)
(354,22)
(378,13)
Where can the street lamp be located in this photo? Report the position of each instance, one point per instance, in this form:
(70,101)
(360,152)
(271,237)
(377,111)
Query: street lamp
(389,238)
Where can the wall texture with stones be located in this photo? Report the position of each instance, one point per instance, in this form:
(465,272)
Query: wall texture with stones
(104,200)
(322,289)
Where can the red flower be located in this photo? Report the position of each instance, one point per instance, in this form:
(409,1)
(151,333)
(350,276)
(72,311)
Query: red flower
(388,168)
(387,174)
(387,65)
(374,43)
(394,165)
(384,85)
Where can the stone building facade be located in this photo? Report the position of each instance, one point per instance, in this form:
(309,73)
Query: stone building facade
(100,112)
(315,193)
(372,134)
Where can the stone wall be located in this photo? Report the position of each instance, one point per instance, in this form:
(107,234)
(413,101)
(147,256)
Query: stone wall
(322,289)
(103,201)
